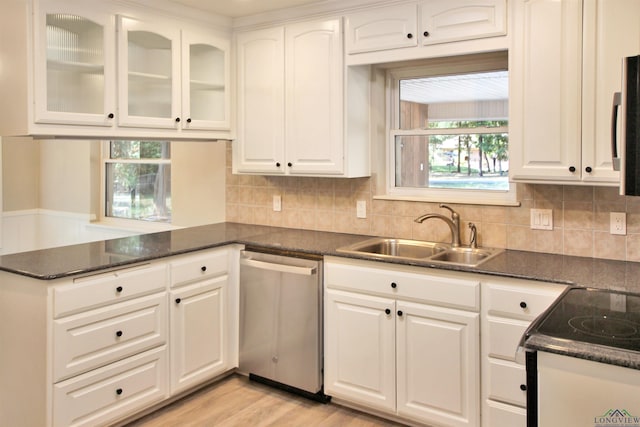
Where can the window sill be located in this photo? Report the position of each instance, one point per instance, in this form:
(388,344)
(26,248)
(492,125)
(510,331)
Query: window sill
(461,199)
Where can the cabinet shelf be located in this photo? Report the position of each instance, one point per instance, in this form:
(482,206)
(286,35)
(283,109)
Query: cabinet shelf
(139,76)
(78,67)
(202,85)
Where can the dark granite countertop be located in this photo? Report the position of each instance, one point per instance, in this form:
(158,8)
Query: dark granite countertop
(61,262)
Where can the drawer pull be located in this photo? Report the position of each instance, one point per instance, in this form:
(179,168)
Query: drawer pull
(203,268)
(400,313)
(523,304)
(119,289)
(523,387)
(178,300)
(119,334)
(119,391)
(394,285)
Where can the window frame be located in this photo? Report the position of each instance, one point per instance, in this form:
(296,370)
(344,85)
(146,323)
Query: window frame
(467,64)
(127,223)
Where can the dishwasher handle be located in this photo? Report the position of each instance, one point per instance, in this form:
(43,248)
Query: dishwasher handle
(283,268)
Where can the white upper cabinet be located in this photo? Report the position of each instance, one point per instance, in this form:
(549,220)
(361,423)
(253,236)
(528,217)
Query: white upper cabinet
(412,30)
(293,96)
(148,74)
(74,65)
(109,70)
(565,65)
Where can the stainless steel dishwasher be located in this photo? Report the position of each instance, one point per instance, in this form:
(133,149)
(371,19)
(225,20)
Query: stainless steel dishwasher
(281,321)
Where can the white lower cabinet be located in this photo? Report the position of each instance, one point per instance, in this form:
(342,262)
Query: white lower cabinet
(95,350)
(389,347)
(199,329)
(508,307)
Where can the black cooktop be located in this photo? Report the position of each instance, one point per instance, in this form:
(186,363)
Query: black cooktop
(593,316)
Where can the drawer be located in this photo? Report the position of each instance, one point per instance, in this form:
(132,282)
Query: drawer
(414,283)
(113,392)
(504,336)
(96,338)
(89,292)
(505,382)
(500,415)
(521,302)
(199,266)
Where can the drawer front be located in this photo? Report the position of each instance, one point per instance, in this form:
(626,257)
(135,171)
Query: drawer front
(505,382)
(88,340)
(89,292)
(392,281)
(504,337)
(200,266)
(501,415)
(521,302)
(113,392)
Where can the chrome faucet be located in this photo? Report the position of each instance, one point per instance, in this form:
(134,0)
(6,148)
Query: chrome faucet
(453,223)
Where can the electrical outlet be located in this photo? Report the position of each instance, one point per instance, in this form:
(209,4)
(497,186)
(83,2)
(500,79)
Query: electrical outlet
(618,223)
(361,209)
(542,219)
(277,203)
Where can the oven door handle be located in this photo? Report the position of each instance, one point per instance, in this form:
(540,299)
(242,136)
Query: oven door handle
(282,268)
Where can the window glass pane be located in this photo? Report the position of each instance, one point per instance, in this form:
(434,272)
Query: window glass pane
(139,150)
(139,191)
(453,101)
(466,161)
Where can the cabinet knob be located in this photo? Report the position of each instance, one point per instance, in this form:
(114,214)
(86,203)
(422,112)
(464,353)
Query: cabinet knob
(394,285)
(523,304)
(119,391)
(588,169)
(409,36)
(387,311)
(178,300)
(203,268)
(523,387)
(189,120)
(110,115)
(277,164)
(572,168)
(177,119)
(400,313)
(119,289)
(118,334)
(426,34)
(289,164)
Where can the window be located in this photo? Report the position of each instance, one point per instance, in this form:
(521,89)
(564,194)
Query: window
(449,135)
(138,180)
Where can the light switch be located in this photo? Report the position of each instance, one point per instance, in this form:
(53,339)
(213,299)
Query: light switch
(277,203)
(361,209)
(542,219)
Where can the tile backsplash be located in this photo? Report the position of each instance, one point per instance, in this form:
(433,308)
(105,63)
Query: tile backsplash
(580,214)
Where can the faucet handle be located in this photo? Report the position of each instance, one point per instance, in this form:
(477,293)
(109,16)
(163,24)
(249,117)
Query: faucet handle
(473,238)
(454,214)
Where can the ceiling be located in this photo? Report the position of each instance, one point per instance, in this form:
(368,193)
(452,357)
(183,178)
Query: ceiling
(238,8)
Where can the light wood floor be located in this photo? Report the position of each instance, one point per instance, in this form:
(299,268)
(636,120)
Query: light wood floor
(236,401)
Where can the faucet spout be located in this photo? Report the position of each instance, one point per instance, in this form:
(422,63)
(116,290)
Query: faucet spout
(453,223)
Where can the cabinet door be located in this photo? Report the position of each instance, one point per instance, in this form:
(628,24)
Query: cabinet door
(74,64)
(198,333)
(448,21)
(381,29)
(438,364)
(314,98)
(611,33)
(260,62)
(545,90)
(148,74)
(205,81)
(359,362)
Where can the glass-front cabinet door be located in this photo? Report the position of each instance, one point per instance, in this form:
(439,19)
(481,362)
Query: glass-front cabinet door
(74,71)
(148,74)
(205,81)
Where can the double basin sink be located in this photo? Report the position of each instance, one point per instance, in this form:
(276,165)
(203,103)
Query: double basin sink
(438,253)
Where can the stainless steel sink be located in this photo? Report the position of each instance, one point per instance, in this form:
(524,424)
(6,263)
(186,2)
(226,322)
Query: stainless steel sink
(439,253)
